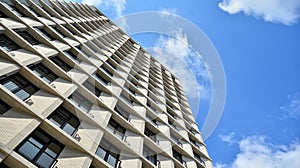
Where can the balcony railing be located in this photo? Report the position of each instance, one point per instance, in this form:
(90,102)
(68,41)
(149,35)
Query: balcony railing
(76,136)
(201,161)
(126,101)
(176,141)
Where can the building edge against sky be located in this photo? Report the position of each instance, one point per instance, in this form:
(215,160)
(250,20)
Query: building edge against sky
(76,91)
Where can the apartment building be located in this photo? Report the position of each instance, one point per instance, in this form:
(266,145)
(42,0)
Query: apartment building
(76,91)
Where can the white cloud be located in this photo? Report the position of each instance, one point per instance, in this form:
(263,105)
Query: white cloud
(228,138)
(220,165)
(167,11)
(117,5)
(176,55)
(256,151)
(277,11)
(292,109)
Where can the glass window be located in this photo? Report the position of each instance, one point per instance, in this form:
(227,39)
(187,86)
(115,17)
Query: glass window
(3,107)
(106,70)
(73,56)
(7,44)
(40,149)
(194,142)
(60,63)
(198,157)
(57,31)
(150,155)
(150,134)
(108,152)
(65,120)
(17,11)
(177,156)
(3,165)
(122,112)
(83,51)
(2,15)
(43,72)
(92,88)
(80,101)
(116,128)
(33,11)
(26,36)
(19,86)
(101,79)
(44,33)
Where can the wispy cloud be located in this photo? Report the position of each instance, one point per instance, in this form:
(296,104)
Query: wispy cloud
(277,11)
(183,62)
(228,138)
(117,5)
(292,109)
(256,151)
(168,11)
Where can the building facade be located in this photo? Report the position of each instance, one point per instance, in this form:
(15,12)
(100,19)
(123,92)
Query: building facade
(76,91)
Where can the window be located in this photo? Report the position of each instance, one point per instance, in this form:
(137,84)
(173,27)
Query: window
(26,36)
(43,72)
(33,11)
(194,142)
(177,156)
(80,101)
(170,113)
(44,33)
(41,149)
(175,139)
(92,88)
(17,11)
(116,128)
(2,15)
(130,90)
(84,52)
(57,31)
(198,157)
(126,99)
(109,153)
(106,70)
(7,44)
(73,56)
(60,63)
(122,112)
(113,66)
(150,134)
(3,107)
(172,124)
(153,121)
(65,120)
(150,155)
(18,85)
(103,80)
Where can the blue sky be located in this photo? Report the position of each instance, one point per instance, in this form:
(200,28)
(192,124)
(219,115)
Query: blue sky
(259,44)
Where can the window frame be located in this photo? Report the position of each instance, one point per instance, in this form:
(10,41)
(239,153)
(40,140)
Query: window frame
(8,44)
(81,100)
(4,107)
(150,155)
(92,88)
(110,150)
(25,35)
(46,72)
(61,63)
(27,86)
(66,117)
(41,146)
(117,129)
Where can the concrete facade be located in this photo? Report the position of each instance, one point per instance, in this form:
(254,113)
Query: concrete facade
(76,91)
